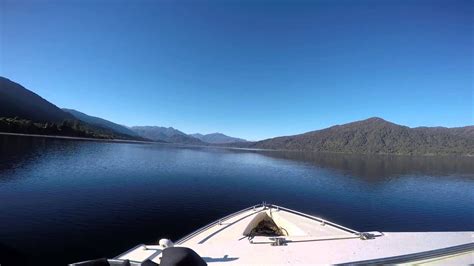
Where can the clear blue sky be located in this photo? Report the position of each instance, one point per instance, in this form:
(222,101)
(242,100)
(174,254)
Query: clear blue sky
(245,68)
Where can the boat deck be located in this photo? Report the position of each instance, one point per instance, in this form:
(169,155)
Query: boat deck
(309,240)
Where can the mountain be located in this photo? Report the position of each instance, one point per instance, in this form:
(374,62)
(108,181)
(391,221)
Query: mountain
(17,101)
(217,138)
(464,132)
(99,122)
(23,111)
(167,134)
(377,136)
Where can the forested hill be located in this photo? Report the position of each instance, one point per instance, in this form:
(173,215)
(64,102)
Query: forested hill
(376,136)
(23,111)
(167,134)
(217,138)
(100,122)
(17,101)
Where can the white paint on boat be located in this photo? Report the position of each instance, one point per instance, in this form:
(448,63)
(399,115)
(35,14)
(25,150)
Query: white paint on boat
(308,240)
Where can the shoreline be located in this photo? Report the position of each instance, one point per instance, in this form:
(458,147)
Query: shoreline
(131,141)
(223,147)
(80,138)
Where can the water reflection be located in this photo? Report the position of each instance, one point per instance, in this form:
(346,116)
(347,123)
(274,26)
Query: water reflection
(69,194)
(16,151)
(380,167)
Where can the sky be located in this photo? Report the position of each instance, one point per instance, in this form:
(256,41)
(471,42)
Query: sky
(250,69)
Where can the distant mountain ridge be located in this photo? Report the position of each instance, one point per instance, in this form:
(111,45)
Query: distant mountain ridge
(17,101)
(97,121)
(167,134)
(217,138)
(377,136)
(23,111)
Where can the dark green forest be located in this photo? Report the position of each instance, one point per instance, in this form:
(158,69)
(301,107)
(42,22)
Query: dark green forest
(70,128)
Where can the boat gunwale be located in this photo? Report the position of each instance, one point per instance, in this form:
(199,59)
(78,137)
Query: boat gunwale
(118,257)
(196,232)
(202,229)
(414,257)
(390,260)
(265,206)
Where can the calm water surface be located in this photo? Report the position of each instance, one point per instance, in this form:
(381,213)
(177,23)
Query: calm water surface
(63,201)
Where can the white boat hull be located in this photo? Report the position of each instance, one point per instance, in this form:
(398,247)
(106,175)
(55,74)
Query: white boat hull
(309,240)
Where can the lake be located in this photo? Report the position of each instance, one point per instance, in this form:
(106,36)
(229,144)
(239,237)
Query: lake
(63,201)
